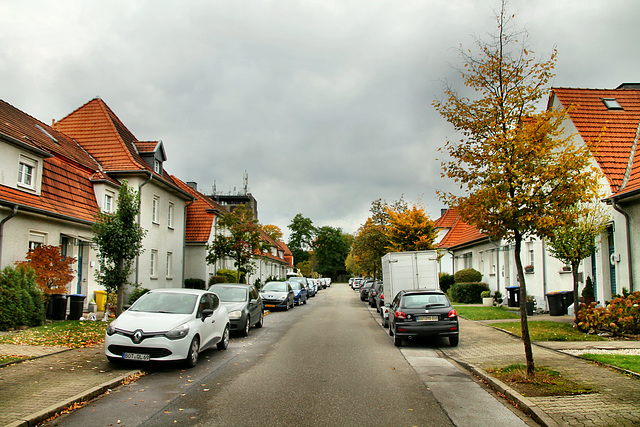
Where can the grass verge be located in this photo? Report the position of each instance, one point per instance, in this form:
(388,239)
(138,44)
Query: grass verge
(485,313)
(625,361)
(545,330)
(546,382)
(8,359)
(68,333)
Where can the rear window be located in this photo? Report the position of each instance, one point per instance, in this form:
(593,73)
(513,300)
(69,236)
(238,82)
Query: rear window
(424,300)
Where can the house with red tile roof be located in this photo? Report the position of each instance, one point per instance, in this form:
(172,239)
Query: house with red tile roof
(101,134)
(608,121)
(47,194)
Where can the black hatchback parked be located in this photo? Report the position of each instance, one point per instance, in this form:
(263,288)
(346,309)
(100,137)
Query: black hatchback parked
(422,314)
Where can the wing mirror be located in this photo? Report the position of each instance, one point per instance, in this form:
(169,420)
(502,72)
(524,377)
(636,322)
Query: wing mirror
(207,312)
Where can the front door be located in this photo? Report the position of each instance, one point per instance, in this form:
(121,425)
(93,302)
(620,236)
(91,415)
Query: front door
(612,263)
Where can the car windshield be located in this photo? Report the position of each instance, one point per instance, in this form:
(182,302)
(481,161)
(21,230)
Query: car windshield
(275,287)
(230,293)
(165,302)
(425,300)
(296,286)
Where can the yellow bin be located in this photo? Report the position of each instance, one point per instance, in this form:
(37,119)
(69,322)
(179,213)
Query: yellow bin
(101,299)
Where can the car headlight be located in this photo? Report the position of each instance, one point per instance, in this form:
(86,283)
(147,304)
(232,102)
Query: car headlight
(235,314)
(178,332)
(111,329)
(282,298)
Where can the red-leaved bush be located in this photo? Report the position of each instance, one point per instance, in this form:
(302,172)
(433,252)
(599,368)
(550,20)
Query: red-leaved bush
(620,317)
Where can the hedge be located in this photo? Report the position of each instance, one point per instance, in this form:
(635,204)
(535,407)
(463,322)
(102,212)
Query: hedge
(467,275)
(468,293)
(21,300)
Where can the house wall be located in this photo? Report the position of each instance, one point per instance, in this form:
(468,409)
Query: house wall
(195,265)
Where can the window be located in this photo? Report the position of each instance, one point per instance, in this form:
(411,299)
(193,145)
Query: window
(36,239)
(612,104)
(26,172)
(169,265)
(155,209)
(108,201)
(157,167)
(494,261)
(170,216)
(154,264)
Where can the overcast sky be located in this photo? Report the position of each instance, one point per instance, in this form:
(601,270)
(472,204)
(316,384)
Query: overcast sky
(326,104)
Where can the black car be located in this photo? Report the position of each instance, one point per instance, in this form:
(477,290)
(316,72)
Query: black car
(365,288)
(243,303)
(422,314)
(277,295)
(373,294)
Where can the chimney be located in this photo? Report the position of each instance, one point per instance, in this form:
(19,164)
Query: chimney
(443,211)
(193,185)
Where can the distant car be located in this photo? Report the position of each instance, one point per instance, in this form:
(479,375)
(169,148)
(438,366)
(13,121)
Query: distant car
(364,290)
(357,282)
(168,325)
(307,283)
(244,304)
(312,288)
(373,294)
(277,295)
(422,314)
(299,292)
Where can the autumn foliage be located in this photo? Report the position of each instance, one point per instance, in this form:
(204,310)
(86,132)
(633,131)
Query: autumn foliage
(53,271)
(620,317)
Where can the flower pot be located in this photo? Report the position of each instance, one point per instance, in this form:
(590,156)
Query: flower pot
(487,302)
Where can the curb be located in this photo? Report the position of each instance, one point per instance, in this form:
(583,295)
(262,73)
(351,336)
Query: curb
(528,407)
(37,417)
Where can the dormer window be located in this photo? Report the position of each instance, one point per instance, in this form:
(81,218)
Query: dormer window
(612,104)
(157,167)
(26,172)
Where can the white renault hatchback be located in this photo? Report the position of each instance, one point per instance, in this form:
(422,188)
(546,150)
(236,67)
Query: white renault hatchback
(168,325)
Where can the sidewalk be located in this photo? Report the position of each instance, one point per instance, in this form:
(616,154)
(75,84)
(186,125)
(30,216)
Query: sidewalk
(616,400)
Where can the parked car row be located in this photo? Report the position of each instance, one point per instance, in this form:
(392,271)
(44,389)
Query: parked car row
(412,313)
(178,324)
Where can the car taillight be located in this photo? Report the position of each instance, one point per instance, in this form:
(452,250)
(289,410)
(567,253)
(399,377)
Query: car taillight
(400,315)
(452,313)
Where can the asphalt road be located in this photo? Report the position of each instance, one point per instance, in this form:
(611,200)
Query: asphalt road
(327,363)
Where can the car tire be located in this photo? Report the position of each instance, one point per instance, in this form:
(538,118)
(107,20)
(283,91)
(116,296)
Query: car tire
(224,342)
(298,302)
(286,308)
(397,340)
(305,301)
(245,330)
(385,322)
(453,340)
(261,321)
(390,331)
(192,356)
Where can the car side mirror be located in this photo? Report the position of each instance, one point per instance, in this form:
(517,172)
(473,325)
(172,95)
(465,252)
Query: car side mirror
(207,312)
(253,301)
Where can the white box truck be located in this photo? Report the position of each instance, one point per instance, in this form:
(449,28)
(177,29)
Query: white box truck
(407,271)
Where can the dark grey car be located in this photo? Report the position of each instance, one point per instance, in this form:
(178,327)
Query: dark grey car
(243,303)
(277,295)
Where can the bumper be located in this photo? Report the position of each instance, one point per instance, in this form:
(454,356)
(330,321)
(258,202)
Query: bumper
(424,329)
(158,348)
(270,305)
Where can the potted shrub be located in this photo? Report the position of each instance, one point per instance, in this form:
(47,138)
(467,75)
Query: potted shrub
(497,298)
(530,305)
(588,295)
(487,300)
(528,269)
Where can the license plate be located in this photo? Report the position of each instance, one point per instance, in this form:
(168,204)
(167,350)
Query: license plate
(136,356)
(427,318)
(270,305)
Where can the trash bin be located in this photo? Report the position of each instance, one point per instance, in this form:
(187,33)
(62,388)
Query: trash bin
(513,296)
(58,304)
(555,304)
(76,306)
(567,300)
(101,299)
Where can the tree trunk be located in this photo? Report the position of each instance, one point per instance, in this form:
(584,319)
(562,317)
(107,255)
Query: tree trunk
(120,290)
(528,352)
(576,300)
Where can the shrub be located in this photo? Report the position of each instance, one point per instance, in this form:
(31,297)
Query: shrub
(137,292)
(231,276)
(497,297)
(587,292)
(194,283)
(620,317)
(216,279)
(468,293)
(446,280)
(21,300)
(467,275)
(485,294)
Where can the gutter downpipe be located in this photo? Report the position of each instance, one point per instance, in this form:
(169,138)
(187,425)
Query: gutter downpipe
(628,233)
(139,215)
(544,273)
(184,241)
(11,215)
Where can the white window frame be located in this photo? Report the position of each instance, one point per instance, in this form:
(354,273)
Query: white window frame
(169,265)
(153,267)
(157,166)
(170,214)
(109,199)
(155,209)
(37,239)
(32,166)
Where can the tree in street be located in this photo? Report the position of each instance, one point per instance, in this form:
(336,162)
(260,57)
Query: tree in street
(576,240)
(119,239)
(330,249)
(409,230)
(302,234)
(369,246)
(273,231)
(521,173)
(239,239)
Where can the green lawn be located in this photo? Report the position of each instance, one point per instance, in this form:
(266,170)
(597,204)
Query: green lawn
(624,361)
(544,330)
(485,313)
(69,333)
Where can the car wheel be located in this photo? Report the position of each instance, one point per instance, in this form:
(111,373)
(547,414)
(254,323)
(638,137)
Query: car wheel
(192,356)
(298,302)
(390,331)
(385,322)
(247,325)
(397,340)
(261,321)
(305,301)
(224,342)
(453,340)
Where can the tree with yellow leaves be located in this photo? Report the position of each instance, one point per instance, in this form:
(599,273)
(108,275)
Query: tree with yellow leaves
(409,229)
(521,174)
